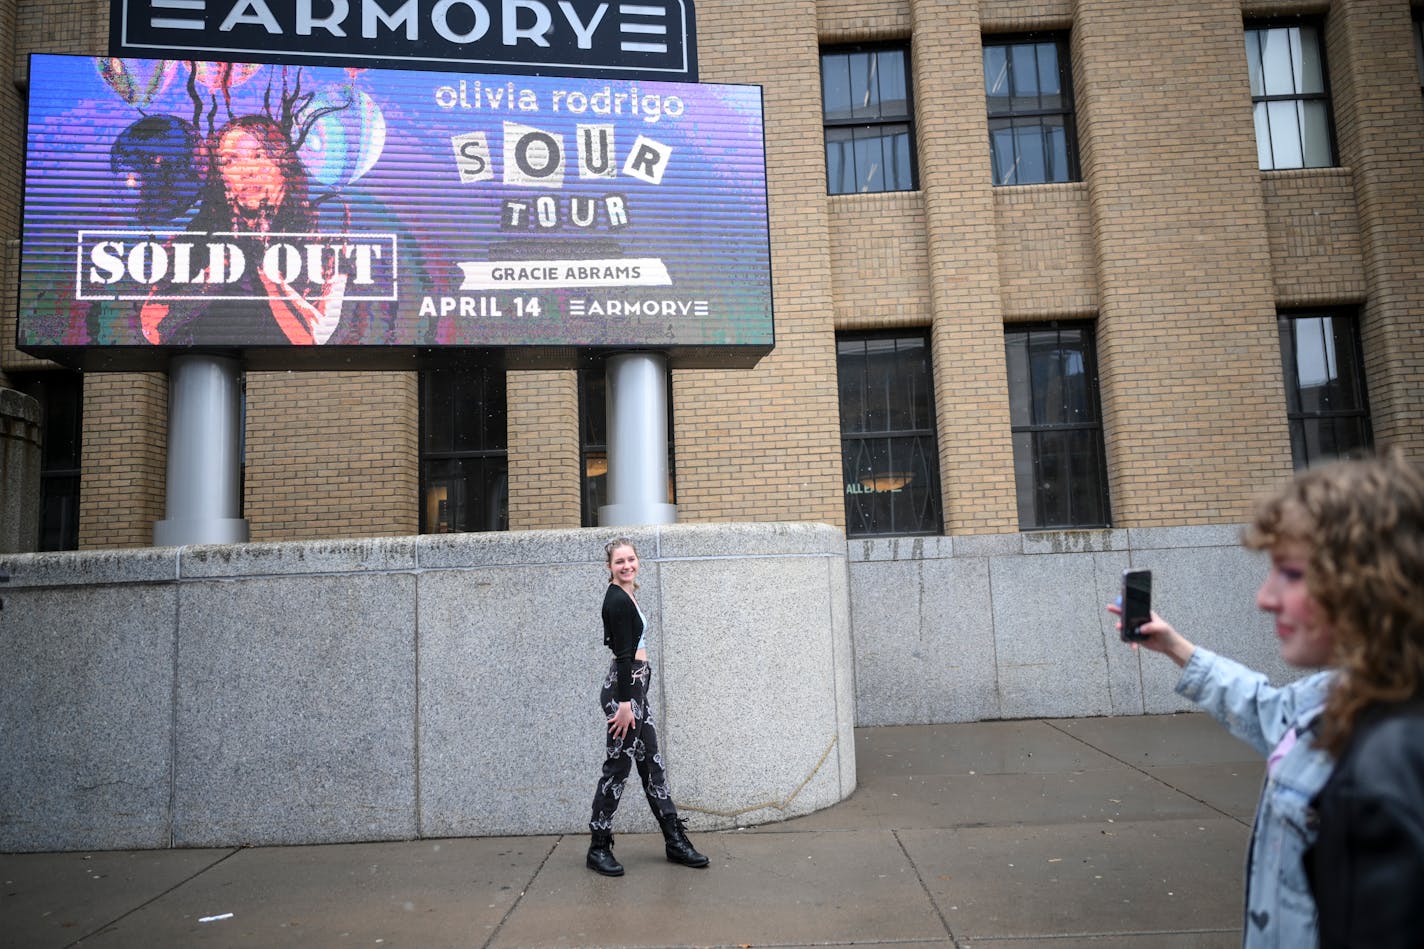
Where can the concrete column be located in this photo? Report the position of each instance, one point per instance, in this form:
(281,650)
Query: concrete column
(204,454)
(637,442)
(20,439)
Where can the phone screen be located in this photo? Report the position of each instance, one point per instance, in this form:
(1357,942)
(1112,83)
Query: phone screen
(1136,603)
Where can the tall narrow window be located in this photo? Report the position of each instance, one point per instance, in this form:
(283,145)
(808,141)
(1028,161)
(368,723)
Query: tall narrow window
(1291,100)
(1059,464)
(61,398)
(889,456)
(593,443)
(865,102)
(1419,46)
(1032,139)
(1325,387)
(464,457)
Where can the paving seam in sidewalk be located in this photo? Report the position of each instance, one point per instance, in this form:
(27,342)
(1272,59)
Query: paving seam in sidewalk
(528,884)
(1147,774)
(153,899)
(924,888)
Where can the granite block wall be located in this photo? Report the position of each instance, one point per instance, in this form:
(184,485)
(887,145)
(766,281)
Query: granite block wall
(446,685)
(951,629)
(395,688)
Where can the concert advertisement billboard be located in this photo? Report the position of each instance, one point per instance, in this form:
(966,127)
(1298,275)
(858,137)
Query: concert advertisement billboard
(329,217)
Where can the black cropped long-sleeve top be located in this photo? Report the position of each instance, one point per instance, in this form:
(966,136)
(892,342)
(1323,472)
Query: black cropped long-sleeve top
(622,628)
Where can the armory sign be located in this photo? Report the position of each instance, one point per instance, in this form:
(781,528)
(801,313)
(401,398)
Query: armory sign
(649,39)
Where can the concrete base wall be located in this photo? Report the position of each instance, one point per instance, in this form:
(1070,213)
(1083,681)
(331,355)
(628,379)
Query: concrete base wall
(446,685)
(411,687)
(960,629)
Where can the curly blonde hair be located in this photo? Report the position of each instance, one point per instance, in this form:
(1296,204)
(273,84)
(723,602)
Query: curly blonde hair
(1364,524)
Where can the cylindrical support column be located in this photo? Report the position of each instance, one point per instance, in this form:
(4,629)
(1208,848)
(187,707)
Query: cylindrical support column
(204,454)
(637,442)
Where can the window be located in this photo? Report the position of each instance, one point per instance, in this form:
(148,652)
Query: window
(464,458)
(889,456)
(593,443)
(1291,102)
(61,398)
(1419,46)
(1059,465)
(1325,387)
(1031,131)
(865,101)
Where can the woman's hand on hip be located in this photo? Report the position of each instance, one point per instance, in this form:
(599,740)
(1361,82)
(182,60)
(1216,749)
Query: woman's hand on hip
(621,721)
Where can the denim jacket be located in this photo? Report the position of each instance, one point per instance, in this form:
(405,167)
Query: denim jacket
(1280,913)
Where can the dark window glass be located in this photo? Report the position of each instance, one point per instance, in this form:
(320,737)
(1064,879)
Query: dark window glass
(889,456)
(1059,465)
(464,457)
(1290,98)
(593,443)
(865,96)
(1419,47)
(61,398)
(1031,130)
(1325,387)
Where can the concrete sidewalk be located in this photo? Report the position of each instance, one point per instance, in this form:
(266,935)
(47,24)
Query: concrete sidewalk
(1108,833)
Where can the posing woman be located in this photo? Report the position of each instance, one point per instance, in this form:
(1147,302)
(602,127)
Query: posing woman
(1306,523)
(1367,573)
(632,739)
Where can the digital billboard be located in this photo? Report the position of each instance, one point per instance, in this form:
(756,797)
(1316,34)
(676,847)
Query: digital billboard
(328,217)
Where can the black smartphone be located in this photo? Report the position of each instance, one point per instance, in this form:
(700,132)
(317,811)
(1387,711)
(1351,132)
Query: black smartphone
(1136,603)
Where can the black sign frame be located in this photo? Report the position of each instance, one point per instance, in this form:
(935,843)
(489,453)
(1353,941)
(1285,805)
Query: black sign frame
(653,39)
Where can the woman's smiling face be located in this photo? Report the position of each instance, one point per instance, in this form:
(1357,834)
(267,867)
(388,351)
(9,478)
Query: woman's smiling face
(623,565)
(1306,639)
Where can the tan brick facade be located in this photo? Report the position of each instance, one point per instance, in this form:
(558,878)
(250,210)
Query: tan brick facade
(1381,130)
(543,450)
(331,454)
(1173,243)
(124,469)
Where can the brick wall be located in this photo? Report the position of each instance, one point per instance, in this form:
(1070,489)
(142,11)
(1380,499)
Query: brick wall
(124,458)
(880,260)
(971,381)
(1380,125)
(1314,231)
(1189,357)
(1047,265)
(764,444)
(331,454)
(543,450)
(1174,242)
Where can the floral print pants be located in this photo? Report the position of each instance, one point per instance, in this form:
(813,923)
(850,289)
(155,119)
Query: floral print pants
(639,746)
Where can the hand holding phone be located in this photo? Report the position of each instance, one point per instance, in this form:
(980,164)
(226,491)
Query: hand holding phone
(1136,603)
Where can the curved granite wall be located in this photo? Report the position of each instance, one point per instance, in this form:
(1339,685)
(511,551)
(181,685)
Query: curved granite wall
(411,687)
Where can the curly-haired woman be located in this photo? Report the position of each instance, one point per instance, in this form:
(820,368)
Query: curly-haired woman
(1366,572)
(1344,584)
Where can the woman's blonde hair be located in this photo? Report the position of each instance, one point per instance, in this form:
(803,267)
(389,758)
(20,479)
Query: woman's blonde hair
(1364,524)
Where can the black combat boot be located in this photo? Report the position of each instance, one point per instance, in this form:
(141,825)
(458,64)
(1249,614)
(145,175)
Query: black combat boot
(600,855)
(679,848)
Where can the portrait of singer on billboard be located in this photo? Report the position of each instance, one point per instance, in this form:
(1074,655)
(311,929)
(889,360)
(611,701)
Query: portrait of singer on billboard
(255,188)
(261,207)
